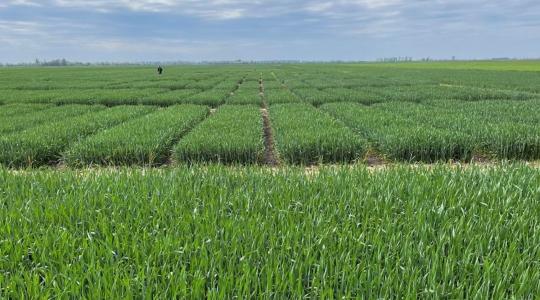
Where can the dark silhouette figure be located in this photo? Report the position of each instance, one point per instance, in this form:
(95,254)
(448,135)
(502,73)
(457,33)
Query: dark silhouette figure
(160,70)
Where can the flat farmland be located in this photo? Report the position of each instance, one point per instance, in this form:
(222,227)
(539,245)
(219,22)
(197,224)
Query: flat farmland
(309,114)
(280,181)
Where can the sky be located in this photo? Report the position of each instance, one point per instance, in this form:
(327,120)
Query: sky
(216,30)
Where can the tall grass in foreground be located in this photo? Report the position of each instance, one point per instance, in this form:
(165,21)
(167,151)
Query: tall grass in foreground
(249,232)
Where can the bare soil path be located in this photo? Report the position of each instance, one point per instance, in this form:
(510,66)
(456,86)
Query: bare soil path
(270,157)
(270,154)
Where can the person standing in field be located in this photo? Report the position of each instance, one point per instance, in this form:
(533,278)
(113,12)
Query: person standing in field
(159,70)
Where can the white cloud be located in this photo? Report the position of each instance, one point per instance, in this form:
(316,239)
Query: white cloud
(22,3)
(216,9)
(351,16)
(53,39)
(213,9)
(336,9)
(221,26)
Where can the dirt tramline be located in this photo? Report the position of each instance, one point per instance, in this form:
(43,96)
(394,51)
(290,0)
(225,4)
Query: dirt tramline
(270,154)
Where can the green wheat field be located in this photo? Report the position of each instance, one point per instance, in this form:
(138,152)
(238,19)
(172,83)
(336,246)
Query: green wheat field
(275,181)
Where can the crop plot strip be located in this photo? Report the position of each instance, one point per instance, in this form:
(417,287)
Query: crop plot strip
(217,95)
(24,121)
(423,92)
(232,83)
(313,95)
(493,111)
(318,97)
(144,141)
(245,97)
(10,110)
(479,93)
(306,135)
(280,95)
(342,94)
(233,134)
(43,144)
(109,97)
(169,98)
(279,92)
(501,130)
(213,97)
(248,93)
(401,138)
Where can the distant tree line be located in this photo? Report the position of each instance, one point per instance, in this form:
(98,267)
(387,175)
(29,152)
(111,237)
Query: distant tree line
(453,58)
(53,63)
(395,59)
(61,62)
